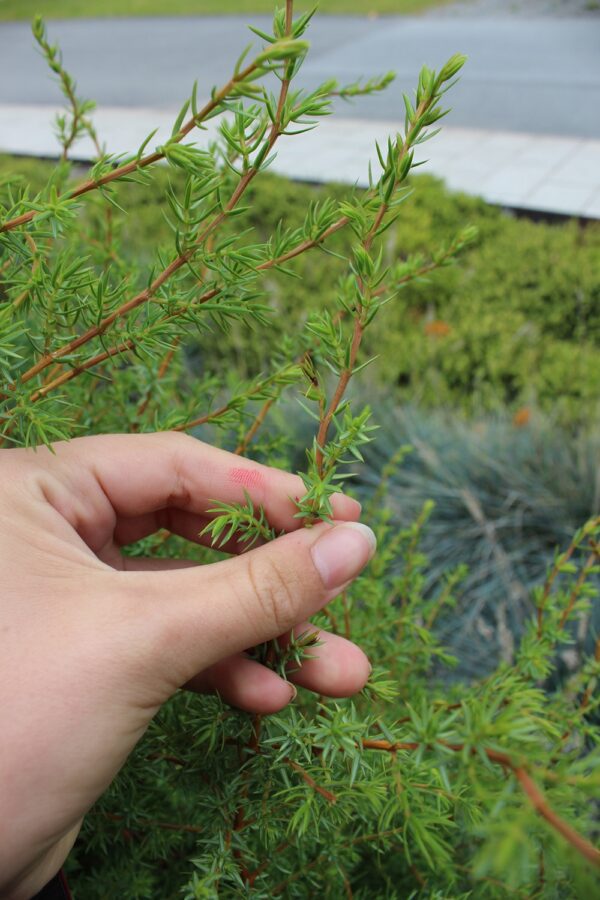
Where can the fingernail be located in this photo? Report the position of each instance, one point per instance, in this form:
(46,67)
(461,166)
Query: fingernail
(356,506)
(343,552)
(294,692)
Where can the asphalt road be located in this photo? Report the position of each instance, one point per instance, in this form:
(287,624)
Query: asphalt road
(539,75)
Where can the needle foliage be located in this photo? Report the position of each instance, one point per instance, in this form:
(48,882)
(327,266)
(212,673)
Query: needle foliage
(425,785)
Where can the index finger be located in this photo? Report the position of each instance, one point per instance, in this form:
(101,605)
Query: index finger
(144,473)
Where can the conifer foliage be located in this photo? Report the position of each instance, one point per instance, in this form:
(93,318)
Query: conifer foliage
(422,786)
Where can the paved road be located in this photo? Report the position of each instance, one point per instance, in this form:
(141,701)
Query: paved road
(539,75)
(528,8)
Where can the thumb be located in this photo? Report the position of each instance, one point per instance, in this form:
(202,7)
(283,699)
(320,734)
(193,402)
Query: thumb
(202,614)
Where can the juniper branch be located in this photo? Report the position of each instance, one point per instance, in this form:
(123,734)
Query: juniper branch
(533,792)
(561,561)
(142,162)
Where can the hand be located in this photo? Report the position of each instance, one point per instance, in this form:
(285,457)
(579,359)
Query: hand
(92,642)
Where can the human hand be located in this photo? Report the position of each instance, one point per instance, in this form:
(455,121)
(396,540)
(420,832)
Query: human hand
(92,642)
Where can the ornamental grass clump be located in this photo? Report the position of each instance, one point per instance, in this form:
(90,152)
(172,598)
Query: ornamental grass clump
(424,785)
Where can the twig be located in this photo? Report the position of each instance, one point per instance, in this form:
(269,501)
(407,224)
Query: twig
(162,370)
(362,839)
(328,795)
(549,582)
(338,395)
(144,161)
(151,823)
(217,413)
(590,561)
(252,876)
(258,421)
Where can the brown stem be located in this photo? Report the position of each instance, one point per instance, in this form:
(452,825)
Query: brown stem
(204,298)
(406,145)
(347,885)
(136,301)
(548,586)
(217,413)
(252,876)
(539,802)
(239,819)
(176,264)
(375,744)
(76,119)
(332,620)
(258,421)
(346,373)
(305,245)
(328,795)
(340,390)
(77,370)
(162,369)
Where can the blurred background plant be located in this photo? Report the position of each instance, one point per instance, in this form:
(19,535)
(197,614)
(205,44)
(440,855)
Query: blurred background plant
(26,9)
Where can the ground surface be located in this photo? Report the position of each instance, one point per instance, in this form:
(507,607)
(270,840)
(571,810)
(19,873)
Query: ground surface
(522,8)
(524,75)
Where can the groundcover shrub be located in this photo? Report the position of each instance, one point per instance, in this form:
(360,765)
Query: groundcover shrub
(425,785)
(505,495)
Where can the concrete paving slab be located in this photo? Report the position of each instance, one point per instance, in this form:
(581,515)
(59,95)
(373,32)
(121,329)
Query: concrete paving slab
(510,169)
(557,197)
(517,8)
(510,185)
(592,208)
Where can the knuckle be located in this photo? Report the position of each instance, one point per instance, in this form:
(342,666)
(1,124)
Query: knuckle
(276,592)
(178,440)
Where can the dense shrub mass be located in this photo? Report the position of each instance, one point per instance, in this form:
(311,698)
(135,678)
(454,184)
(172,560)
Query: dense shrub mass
(516,324)
(468,767)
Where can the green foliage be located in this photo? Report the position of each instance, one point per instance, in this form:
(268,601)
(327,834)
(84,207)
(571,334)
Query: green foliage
(426,785)
(397,793)
(516,325)
(241,520)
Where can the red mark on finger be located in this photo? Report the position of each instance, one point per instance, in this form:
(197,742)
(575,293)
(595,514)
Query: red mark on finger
(248,478)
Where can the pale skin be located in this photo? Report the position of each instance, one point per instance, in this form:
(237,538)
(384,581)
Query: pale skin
(93,642)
